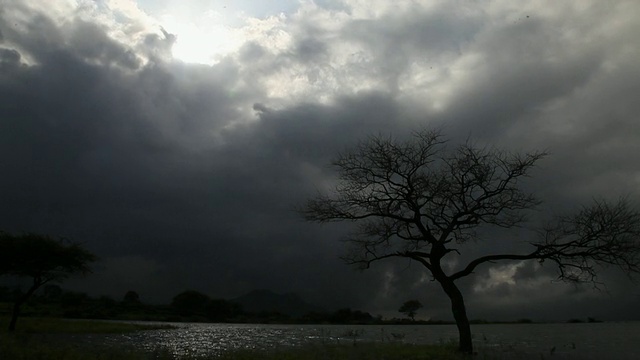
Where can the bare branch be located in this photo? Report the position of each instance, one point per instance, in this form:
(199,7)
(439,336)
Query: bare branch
(408,196)
(600,235)
(491,258)
(483,188)
(416,198)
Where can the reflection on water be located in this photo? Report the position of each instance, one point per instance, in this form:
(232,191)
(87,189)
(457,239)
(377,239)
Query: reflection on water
(197,339)
(521,341)
(202,339)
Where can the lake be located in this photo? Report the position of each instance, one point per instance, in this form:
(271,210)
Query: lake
(616,340)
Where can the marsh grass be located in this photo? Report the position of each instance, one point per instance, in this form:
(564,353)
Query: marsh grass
(40,338)
(363,351)
(43,339)
(47,339)
(70,326)
(28,347)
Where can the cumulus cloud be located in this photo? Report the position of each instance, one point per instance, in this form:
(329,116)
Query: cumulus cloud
(109,138)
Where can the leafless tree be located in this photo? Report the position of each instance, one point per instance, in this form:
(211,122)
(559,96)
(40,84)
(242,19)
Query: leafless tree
(422,200)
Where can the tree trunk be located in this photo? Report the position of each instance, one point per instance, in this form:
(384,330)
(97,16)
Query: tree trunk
(21,300)
(14,314)
(460,315)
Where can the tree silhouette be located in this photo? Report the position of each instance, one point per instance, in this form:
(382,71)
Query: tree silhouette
(193,303)
(410,308)
(190,302)
(41,258)
(131,298)
(421,200)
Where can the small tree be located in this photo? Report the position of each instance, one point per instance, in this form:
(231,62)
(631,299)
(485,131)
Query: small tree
(420,200)
(131,298)
(190,302)
(410,308)
(41,258)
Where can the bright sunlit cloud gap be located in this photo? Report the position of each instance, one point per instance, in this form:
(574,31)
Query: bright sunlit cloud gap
(203,41)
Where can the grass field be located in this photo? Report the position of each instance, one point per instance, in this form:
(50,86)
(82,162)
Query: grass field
(27,348)
(367,351)
(39,338)
(69,326)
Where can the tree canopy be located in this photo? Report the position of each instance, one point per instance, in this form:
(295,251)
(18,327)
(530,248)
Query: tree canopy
(410,308)
(41,258)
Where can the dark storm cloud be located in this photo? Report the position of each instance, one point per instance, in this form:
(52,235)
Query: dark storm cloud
(414,30)
(187,176)
(90,42)
(310,49)
(138,166)
(101,154)
(9,58)
(517,75)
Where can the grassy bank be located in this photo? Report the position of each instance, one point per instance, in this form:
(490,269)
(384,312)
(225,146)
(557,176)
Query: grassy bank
(23,348)
(69,326)
(44,339)
(368,351)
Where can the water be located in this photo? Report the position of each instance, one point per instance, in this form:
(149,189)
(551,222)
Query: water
(501,341)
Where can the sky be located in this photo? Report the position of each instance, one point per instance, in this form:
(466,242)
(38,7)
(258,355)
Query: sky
(175,139)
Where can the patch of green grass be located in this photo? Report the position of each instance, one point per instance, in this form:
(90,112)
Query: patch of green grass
(70,326)
(28,347)
(32,340)
(367,351)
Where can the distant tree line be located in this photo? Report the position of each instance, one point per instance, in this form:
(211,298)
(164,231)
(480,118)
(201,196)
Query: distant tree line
(190,305)
(42,262)
(54,301)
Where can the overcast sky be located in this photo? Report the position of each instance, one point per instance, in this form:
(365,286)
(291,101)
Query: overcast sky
(174,139)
